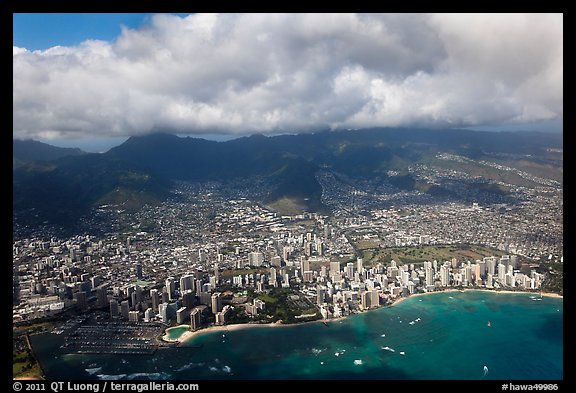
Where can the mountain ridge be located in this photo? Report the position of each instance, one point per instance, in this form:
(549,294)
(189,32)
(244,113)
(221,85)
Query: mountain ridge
(142,168)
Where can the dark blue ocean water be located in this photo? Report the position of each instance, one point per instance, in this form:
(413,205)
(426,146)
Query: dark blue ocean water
(440,336)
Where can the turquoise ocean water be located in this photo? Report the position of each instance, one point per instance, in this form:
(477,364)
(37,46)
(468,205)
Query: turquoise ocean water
(441,336)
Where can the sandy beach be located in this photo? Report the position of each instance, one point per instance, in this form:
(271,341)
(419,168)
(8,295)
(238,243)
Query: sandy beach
(189,335)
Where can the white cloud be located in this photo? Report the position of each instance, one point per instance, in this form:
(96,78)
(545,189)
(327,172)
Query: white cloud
(291,72)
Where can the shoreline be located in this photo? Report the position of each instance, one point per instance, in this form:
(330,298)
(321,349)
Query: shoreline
(189,335)
(399,300)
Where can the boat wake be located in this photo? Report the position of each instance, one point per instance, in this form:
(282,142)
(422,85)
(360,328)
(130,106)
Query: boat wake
(485,370)
(92,371)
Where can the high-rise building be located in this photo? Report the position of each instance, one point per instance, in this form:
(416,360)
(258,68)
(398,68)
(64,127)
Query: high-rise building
(319,247)
(454,263)
(304,264)
(170,287)
(188,299)
(320,295)
(101,297)
(255,258)
(134,316)
(195,319)
(182,315)
(477,273)
(216,302)
(350,270)
(366,297)
(392,271)
(429,276)
(360,265)
(334,267)
(95,281)
(216,273)
(514,261)
(467,275)
(134,300)
(405,278)
(113,308)
(482,267)
(510,278)
(186,283)
(163,311)
(273,278)
(308,276)
(502,274)
(155,297)
(205,298)
(148,315)
(276,261)
(286,253)
(308,248)
(489,281)
(374,298)
(138,267)
(445,275)
(490,265)
(222,316)
(238,281)
(80,299)
(124,309)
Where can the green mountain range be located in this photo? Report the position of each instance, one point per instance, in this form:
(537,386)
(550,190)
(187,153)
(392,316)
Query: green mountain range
(58,185)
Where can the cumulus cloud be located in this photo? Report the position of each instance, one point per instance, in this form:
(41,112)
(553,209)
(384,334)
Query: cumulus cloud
(244,73)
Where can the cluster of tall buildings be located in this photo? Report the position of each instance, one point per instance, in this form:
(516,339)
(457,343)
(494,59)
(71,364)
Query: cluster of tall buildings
(135,285)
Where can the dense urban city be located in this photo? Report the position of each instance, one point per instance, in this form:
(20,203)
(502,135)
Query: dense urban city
(239,196)
(205,257)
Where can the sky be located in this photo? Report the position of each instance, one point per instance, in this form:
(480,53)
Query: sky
(105,77)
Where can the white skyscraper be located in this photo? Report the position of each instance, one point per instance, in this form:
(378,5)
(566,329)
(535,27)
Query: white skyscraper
(304,264)
(163,311)
(170,287)
(216,303)
(148,315)
(445,275)
(429,276)
(502,274)
(350,270)
(273,277)
(405,278)
(489,281)
(186,283)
